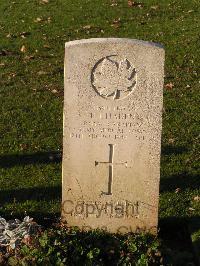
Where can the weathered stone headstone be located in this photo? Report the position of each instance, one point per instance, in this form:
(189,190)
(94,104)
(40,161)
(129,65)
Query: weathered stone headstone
(112,134)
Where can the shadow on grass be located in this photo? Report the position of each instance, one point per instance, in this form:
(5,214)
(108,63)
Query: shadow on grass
(194,228)
(7,161)
(174,230)
(182,181)
(11,160)
(17,196)
(173,150)
(35,193)
(177,233)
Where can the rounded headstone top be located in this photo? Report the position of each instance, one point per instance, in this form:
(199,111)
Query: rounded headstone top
(115,40)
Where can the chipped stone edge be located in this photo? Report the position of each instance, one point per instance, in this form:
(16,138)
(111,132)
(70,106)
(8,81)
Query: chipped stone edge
(114,40)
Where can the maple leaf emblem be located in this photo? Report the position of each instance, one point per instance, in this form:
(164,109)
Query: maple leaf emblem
(113,79)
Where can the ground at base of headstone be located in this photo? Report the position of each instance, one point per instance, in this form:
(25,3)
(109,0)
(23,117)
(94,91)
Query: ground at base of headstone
(58,244)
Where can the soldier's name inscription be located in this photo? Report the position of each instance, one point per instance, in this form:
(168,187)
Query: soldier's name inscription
(109,123)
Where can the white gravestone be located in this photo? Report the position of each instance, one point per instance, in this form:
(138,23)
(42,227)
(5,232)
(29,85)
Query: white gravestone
(112,134)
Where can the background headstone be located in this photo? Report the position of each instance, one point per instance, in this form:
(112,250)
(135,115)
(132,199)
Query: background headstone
(112,134)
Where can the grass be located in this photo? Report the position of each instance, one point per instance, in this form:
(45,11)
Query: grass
(33,34)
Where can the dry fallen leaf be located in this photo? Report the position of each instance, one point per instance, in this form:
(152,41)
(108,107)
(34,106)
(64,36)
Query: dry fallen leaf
(191,209)
(197,198)
(23,146)
(54,91)
(24,34)
(46,46)
(177,190)
(23,49)
(154,7)
(116,23)
(171,141)
(169,86)
(133,3)
(130,3)
(87,27)
(37,20)
(28,57)
(41,73)
(114,3)
(12,74)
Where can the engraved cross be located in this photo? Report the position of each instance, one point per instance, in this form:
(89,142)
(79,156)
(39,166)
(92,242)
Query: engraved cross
(111,166)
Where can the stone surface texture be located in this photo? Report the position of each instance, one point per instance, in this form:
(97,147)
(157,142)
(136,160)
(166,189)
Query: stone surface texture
(112,134)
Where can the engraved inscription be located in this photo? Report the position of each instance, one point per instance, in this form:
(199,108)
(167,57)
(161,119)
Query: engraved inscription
(110,165)
(113,123)
(113,78)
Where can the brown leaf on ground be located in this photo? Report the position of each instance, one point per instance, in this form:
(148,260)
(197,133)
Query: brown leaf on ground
(135,4)
(171,141)
(154,7)
(54,91)
(24,34)
(46,46)
(177,190)
(191,209)
(114,3)
(12,74)
(130,3)
(41,73)
(23,49)
(197,198)
(23,146)
(116,23)
(87,27)
(29,57)
(38,20)
(169,86)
